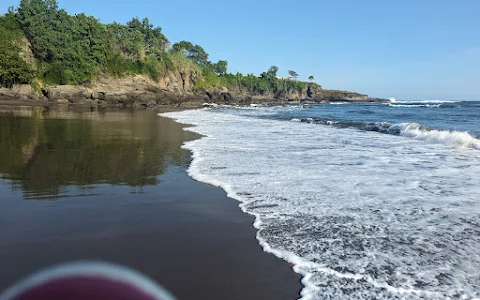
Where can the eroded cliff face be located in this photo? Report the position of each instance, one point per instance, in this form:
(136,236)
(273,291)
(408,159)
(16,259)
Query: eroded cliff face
(26,53)
(138,90)
(176,81)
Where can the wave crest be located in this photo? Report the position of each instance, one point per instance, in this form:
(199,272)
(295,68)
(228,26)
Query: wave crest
(455,138)
(412,130)
(424,101)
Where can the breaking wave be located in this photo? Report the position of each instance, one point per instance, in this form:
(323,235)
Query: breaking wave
(423,103)
(411,130)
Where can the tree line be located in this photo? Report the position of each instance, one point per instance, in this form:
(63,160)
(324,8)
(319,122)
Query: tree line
(74,49)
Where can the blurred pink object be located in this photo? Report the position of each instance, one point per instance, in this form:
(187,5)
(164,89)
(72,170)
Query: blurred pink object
(86,280)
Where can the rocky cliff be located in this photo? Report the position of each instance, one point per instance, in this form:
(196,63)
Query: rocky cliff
(175,88)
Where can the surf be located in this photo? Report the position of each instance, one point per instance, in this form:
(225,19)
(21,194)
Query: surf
(359,214)
(409,130)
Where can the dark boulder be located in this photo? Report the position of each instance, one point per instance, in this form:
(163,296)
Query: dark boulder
(245,100)
(227,97)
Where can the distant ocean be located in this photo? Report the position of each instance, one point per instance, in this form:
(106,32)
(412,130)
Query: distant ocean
(367,201)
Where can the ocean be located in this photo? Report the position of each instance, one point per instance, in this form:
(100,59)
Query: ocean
(367,201)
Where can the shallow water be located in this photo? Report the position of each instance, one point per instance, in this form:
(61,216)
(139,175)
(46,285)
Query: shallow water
(360,213)
(54,153)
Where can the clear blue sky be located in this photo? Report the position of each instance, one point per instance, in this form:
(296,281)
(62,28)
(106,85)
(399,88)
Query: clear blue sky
(408,49)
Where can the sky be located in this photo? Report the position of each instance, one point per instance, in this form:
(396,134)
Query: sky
(408,49)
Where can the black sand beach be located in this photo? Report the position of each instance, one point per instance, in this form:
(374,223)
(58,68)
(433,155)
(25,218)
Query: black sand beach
(112,185)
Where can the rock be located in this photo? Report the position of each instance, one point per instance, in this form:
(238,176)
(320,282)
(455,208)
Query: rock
(185,76)
(379,100)
(210,105)
(87,94)
(227,97)
(7,93)
(220,97)
(62,101)
(20,91)
(152,104)
(98,95)
(26,53)
(137,104)
(144,96)
(23,89)
(69,92)
(140,104)
(309,92)
(119,97)
(209,95)
(246,100)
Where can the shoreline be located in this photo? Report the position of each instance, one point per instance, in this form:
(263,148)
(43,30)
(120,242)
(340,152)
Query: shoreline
(140,92)
(188,236)
(18,102)
(262,243)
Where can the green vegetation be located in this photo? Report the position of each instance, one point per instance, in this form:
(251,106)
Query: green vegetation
(74,49)
(13,68)
(267,84)
(194,52)
(311,78)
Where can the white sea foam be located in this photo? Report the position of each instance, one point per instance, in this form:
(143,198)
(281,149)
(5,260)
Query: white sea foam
(425,101)
(415,105)
(417,131)
(419,103)
(455,138)
(359,214)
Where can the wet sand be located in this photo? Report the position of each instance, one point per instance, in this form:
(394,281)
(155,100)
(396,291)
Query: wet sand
(186,235)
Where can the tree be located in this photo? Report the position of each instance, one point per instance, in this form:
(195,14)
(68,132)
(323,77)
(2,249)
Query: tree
(33,17)
(13,69)
(127,40)
(194,52)
(293,74)
(220,68)
(311,78)
(272,71)
(153,38)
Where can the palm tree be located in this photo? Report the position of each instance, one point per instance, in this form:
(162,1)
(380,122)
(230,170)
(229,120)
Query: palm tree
(311,78)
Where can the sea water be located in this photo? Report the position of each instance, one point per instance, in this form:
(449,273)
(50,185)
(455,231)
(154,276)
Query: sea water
(367,201)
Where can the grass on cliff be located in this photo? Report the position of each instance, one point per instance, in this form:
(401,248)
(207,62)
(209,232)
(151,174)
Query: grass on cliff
(183,64)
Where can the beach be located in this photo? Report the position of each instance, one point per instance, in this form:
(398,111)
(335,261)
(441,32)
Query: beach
(109,184)
(367,201)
